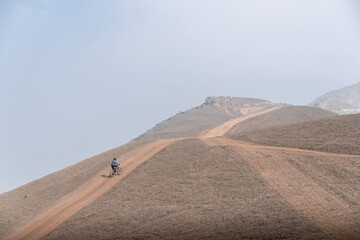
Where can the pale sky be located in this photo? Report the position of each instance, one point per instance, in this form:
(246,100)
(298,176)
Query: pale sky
(80,77)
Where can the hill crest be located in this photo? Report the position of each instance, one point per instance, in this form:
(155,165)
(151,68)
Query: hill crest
(214,111)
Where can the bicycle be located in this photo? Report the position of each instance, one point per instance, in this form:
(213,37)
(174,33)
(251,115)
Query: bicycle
(117,171)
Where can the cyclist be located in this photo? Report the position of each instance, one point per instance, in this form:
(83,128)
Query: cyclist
(114,164)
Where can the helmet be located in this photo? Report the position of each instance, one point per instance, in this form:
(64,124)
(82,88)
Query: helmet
(114,158)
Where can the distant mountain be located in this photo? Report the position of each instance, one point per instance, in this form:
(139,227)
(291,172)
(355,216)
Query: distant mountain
(214,111)
(342,101)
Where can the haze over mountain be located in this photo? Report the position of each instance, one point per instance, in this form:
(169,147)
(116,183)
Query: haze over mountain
(78,78)
(82,77)
(342,101)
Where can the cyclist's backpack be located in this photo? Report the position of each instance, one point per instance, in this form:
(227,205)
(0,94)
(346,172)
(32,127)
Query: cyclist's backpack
(113,164)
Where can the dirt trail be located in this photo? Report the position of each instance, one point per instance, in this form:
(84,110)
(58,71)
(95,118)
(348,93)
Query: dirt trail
(331,210)
(226,126)
(84,195)
(90,191)
(334,210)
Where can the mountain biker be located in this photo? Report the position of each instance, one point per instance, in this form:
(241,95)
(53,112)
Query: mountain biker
(114,164)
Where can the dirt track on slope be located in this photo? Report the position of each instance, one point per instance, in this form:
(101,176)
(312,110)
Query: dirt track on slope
(96,187)
(326,199)
(322,186)
(191,190)
(223,128)
(84,195)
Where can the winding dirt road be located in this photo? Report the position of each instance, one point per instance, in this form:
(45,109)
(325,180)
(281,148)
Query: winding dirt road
(90,191)
(330,206)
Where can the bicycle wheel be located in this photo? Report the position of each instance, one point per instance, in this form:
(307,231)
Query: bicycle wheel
(111,173)
(119,171)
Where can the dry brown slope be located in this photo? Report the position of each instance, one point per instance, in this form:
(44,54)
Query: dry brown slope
(282,116)
(341,207)
(36,201)
(16,209)
(85,194)
(191,190)
(232,232)
(322,186)
(340,134)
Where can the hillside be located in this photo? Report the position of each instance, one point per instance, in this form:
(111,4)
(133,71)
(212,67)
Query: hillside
(191,191)
(285,115)
(23,204)
(214,111)
(339,134)
(342,101)
(206,187)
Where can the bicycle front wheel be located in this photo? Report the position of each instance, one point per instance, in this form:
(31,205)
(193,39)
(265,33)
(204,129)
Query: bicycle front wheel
(119,171)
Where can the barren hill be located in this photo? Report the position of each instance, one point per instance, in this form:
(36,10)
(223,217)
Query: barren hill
(205,187)
(339,134)
(282,116)
(342,101)
(214,111)
(191,190)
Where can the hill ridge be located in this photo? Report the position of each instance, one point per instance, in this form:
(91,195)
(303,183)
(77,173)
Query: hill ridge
(214,111)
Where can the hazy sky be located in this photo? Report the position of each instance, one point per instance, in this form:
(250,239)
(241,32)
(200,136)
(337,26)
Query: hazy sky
(80,77)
